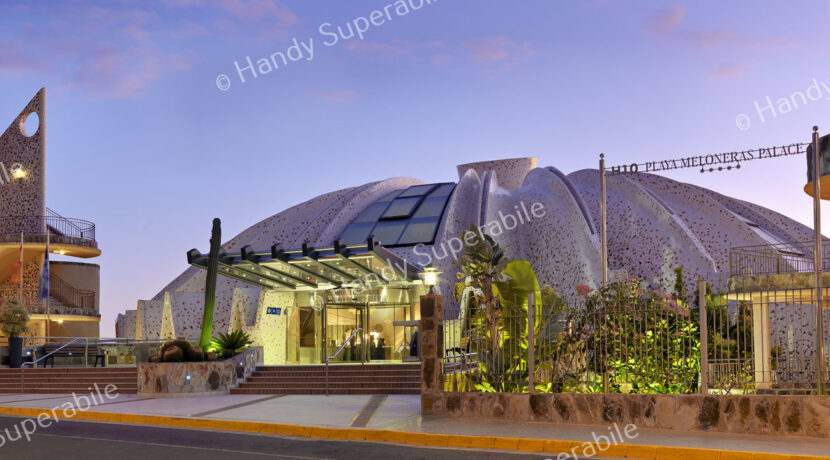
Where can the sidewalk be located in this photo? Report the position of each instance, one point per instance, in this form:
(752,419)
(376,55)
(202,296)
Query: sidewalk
(401,414)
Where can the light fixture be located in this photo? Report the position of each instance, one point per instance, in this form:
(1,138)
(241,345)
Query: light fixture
(61,252)
(19,173)
(431,278)
(60,321)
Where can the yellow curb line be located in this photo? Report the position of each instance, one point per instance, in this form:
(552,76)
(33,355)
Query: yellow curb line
(589,449)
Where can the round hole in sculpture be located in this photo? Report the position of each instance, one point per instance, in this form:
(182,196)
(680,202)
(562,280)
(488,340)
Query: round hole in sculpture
(31,124)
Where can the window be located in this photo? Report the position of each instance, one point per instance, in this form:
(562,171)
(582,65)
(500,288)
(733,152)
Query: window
(402,218)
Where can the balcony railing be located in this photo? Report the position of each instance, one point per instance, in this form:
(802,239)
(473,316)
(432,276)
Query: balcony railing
(61,230)
(33,303)
(69,295)
(775,259)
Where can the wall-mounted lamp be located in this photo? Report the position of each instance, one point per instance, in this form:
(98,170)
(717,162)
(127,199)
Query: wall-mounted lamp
(19,173)
(431,278)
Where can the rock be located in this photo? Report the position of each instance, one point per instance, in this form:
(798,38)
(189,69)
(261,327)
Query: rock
(173,355)
(195,354)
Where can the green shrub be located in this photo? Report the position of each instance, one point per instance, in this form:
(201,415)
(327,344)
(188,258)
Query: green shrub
(232,343)
(14,318)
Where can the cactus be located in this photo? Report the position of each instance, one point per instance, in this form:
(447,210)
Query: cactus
(210,284)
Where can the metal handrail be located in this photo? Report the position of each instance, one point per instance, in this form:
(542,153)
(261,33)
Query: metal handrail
(70,295)
(35,229)
(32,363)
(362,361)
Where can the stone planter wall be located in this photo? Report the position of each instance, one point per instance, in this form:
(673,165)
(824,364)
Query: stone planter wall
(183,379)
(758,414)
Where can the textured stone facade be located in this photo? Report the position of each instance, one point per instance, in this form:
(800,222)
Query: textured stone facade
(214,377)
(752,414)
(654,225)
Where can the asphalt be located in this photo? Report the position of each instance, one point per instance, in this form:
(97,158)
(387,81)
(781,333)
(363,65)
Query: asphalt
(107,441)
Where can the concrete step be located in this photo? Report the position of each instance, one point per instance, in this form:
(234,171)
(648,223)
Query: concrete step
(357,378)
(322,374)
(317,391)
(332,384)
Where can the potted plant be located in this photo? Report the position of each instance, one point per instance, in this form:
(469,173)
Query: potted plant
(14,321)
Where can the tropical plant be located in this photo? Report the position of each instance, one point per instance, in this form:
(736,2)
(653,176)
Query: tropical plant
(210,283)
(481,265)
(633,340)
(14,318)
(232,343)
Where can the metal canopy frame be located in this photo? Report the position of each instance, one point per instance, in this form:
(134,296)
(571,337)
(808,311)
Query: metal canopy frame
(310,268)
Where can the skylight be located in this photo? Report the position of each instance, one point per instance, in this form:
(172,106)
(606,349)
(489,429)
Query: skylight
(405,217)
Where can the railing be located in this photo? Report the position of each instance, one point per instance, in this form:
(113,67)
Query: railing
(33,363)
(345,342)
(61,230)
(641,340)
(774,259)
(35,305)
(70,295)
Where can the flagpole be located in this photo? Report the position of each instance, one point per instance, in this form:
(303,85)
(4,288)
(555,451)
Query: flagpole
(21,269)
(48,276)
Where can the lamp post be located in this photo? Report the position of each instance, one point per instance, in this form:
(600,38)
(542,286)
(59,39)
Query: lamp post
(817,262)
(816,175)
(431,279)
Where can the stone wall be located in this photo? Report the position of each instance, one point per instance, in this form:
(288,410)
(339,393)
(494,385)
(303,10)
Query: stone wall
(192,379)
(756,414)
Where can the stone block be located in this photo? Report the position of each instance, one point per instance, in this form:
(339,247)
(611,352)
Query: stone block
(540,409)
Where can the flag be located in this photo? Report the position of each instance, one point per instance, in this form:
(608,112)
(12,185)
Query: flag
(44,275)
(17,273)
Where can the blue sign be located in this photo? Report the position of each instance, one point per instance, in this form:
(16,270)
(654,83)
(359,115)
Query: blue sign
(273,311)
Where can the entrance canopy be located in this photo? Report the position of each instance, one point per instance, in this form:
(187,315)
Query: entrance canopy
(310,268)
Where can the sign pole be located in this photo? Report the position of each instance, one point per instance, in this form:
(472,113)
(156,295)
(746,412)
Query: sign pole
(603,204)
(817,265)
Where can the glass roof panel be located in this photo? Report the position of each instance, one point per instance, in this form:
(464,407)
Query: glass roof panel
(431,207)
(417,190)
(419,231)
(388,232)
(442,190)
(419,206)
(372,213)
(357,233)
(401,208)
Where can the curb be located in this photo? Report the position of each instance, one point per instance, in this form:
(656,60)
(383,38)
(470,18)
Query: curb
(633,451)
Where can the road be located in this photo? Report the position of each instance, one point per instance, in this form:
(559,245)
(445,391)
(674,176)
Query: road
(68,440)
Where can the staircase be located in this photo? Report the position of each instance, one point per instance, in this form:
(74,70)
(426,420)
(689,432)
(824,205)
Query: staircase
(343,379)
(69,380)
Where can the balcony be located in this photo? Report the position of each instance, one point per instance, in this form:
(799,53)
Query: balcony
(75,237)
(783,271)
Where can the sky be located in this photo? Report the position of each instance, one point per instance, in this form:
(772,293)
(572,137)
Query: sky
(152,132)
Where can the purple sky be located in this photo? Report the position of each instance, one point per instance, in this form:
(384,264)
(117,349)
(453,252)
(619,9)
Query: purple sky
(143,143)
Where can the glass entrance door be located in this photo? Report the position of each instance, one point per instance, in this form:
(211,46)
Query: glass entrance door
(342,320)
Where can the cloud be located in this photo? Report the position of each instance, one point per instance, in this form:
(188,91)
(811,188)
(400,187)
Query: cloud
(109,50)
(733,71)
(111,72)
(666,20)
(333,96)
(394,49)
(666,25)
(499,52)
(258,10)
